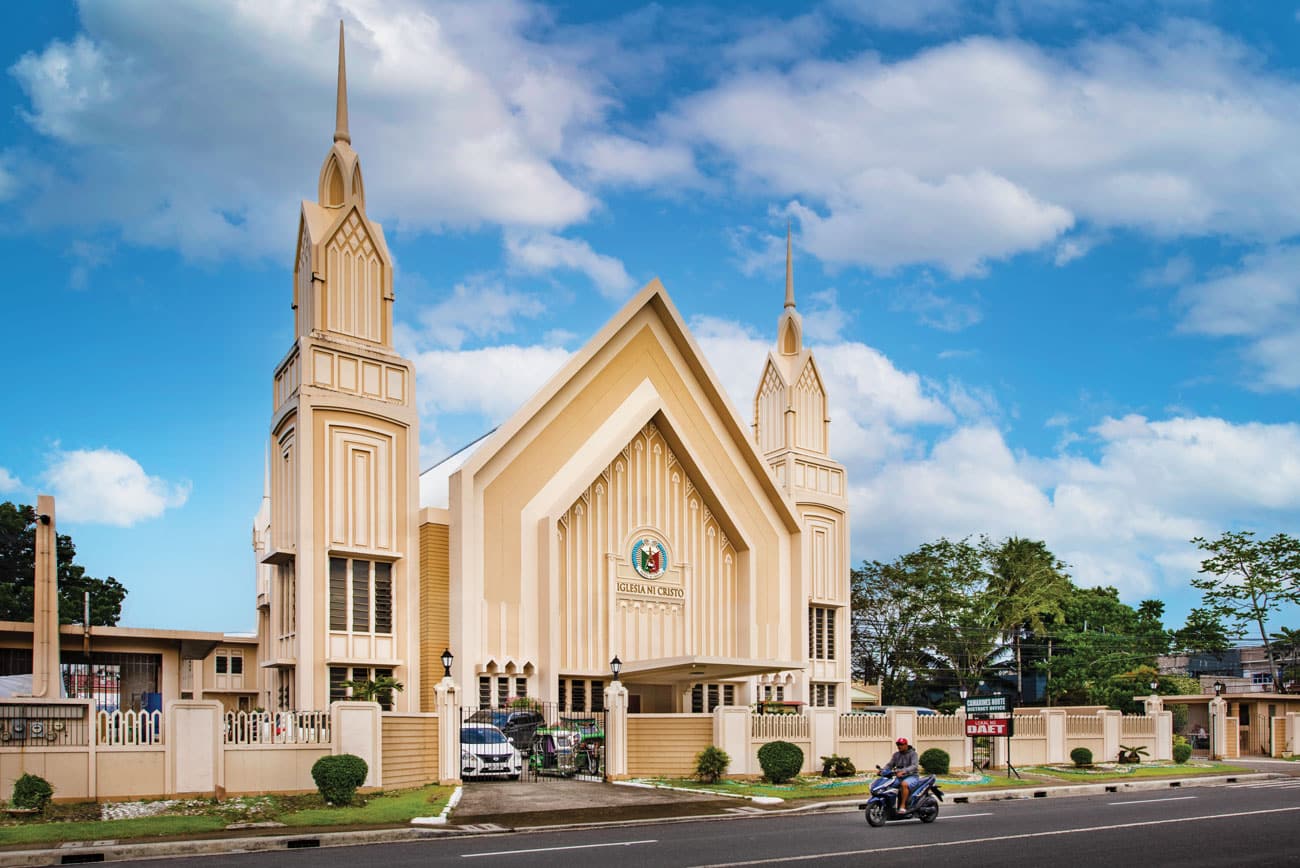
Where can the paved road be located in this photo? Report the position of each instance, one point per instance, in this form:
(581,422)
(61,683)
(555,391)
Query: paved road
(1246,824)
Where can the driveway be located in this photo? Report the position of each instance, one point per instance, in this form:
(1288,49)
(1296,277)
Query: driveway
(550,801)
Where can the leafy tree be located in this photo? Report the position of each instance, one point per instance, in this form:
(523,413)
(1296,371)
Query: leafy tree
(1097,640)
(18,572)
(1027,584)
(1203,633)
(1286,644)
(1246,580)
(896,607)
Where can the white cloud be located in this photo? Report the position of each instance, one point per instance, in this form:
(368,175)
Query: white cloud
(617,160)
(476,309)
(983,148)
(104,486)
(902,14)
(937,311)
(8,482)
(198,125)
(1257,303)
(540,252)
(492,382)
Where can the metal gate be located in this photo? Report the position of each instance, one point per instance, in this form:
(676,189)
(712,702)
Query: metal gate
(533,741)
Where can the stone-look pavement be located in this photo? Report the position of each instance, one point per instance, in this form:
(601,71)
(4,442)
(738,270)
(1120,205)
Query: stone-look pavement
(558,801)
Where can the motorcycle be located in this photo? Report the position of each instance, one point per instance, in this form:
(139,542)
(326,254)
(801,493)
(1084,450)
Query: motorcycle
(922,802)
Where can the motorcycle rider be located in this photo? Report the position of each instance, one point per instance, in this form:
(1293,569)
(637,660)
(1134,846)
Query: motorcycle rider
(904,764)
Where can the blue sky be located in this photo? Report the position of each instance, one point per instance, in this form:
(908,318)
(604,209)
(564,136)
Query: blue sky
(1048,253)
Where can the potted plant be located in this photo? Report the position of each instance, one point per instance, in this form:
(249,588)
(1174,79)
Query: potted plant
(1131,754)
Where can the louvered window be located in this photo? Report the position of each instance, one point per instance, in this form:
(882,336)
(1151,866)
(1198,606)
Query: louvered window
(597,696)
(338,594)
(383,597)
(338,675)
(821,633)
(521,687)
(579,695)
(484,691)
(361,596)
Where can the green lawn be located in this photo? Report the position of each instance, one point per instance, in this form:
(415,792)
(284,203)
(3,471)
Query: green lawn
(70,823)
(813,787)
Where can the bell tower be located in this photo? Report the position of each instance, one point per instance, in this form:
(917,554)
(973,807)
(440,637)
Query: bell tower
(343,598)
(792,430)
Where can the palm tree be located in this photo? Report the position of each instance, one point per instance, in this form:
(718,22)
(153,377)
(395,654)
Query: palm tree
(1286,645)
(375,689)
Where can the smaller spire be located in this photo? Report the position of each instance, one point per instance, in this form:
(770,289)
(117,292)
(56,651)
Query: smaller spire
(341,133)
(789,270)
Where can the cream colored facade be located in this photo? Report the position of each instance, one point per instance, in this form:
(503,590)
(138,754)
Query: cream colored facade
(626,510)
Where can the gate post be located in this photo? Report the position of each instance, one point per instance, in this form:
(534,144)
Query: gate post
(1054,725)
(1111,721)
(447,704)
(355,729)
(731,733)
(1218,728)
(1164,742)
(968,743)
(823,732)
(616,731)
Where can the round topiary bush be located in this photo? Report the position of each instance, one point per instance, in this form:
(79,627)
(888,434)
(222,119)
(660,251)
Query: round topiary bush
(1081,756)
(711,764)
(337,777)
(780,760)
(1182,753)
(32,791)
(935,761)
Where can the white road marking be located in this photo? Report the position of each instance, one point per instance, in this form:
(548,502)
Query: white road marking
(894,848)
(964,816)
(557,849)
(1149,801)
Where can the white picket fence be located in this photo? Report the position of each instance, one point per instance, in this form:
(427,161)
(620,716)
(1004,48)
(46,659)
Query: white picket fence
(277,727)
(128,728)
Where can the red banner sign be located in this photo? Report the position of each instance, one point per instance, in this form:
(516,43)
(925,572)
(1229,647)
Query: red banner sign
(988,726)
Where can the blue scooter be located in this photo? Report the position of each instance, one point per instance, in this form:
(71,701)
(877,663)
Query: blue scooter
(922,802)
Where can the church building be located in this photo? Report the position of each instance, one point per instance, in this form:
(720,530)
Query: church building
(626,510)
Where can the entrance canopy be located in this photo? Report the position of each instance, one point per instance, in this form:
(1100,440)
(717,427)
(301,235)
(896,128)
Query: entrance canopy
(694,668)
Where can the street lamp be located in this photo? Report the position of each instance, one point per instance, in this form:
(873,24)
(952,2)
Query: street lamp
(446,663)
(1218,688)
(1154,687)
(962,692)
(616,666)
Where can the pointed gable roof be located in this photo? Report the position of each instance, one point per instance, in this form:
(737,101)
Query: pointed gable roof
(653,298)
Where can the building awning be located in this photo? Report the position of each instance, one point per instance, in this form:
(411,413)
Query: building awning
(692,668)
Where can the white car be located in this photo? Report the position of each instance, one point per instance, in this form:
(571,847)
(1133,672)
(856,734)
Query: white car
(486,752)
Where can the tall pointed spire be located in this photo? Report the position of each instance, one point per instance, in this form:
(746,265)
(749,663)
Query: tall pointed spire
(341,133)
(789,270)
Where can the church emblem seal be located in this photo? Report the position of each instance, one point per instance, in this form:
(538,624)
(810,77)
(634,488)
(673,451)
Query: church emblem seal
(649,558)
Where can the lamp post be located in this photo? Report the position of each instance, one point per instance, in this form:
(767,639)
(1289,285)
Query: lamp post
(446,663)
(1218,688)
(962,692)
(616,666)
(1155,685)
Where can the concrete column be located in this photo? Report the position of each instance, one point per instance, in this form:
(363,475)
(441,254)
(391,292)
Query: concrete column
(357,729)
(731,729)
(902,724)
(999,752)
(447,704)
(1218,728)
(1054,724)
(1164,749)
(1153,704)
(967,758)
(1292,746)
(1111,723)
(824,729)
(616,731)
(195,750)
(47,680)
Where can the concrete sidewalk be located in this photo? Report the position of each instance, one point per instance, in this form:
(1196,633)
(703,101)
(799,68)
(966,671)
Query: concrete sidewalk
(504,807)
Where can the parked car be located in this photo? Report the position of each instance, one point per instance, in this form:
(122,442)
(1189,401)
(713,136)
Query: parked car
(517,724)
(486,752)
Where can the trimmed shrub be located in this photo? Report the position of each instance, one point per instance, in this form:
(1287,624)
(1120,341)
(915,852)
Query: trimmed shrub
(935,761)
(1081,756)
(32,791)
(1182,753)
(780,760)
(711,764)
(836,766)
(337,777)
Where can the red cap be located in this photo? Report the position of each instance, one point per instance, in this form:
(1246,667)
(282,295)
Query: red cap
(902,742)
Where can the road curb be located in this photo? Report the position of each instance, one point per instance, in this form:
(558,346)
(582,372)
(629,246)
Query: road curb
(111,852)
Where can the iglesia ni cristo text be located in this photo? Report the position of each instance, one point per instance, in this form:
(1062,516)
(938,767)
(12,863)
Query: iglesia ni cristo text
(625,510)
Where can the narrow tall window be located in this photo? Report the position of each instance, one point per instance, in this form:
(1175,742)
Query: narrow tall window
(713,697)
(338,594)
(728,694)
(697,699)
(579,695)
(597,696)
(503,691)
(484,691)
(563,695)
(361,596)
(383,597)
(521,687)
(821,633)
(221,662)
(236,662)
(338,675)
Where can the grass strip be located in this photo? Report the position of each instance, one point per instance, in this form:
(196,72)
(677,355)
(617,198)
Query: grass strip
(36,832)
(398,807)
